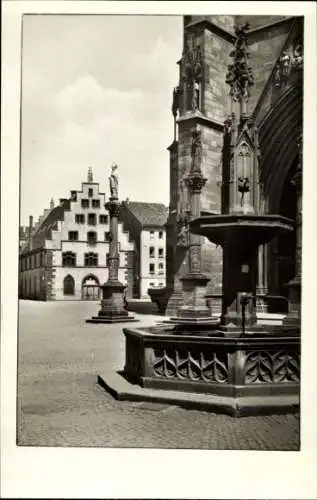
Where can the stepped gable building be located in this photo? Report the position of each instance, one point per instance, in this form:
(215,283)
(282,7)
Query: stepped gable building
(65,255)
(146,225)
(200,108)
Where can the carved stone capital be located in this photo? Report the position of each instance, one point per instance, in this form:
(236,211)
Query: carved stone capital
(113,206)
(195,182)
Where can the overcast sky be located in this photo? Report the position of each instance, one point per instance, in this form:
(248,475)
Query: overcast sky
(97,89)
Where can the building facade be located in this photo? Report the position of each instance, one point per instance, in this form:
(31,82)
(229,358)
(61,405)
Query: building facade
(200,102)
(146,224)
(66,256)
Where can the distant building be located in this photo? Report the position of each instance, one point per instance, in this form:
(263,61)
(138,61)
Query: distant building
(146,225)
(66,256)
(23,236)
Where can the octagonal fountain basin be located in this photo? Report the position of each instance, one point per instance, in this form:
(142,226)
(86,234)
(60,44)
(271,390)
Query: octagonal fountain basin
(239,376)
(248,229)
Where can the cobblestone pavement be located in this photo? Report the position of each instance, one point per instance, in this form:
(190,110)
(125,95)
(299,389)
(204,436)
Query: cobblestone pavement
(60,404)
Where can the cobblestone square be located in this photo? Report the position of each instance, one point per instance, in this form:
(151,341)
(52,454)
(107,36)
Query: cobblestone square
(61,404)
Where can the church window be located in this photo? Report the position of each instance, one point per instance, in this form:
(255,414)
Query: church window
(69,285)
(69,259)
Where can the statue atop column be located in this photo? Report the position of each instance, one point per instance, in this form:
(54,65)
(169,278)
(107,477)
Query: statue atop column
(114,181)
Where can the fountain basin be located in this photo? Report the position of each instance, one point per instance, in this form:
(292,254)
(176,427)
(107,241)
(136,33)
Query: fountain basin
(247,229)
(254,374)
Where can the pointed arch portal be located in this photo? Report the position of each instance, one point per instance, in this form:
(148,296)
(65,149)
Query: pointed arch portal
(90,288)
(278,135)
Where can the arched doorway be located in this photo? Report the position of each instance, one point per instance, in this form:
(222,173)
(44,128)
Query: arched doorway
(69,285)
(90,288)
(278,133)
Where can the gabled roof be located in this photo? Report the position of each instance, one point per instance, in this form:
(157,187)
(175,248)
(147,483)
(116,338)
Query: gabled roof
(148,214)
(44,230)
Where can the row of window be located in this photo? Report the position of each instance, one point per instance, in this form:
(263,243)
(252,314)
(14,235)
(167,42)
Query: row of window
(85,203)
(160,268)
(32,261)
(152,252)
(90,259)
(91,219)
(91,236)
(153,233)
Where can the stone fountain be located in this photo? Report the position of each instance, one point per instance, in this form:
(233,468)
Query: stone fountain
(231,364)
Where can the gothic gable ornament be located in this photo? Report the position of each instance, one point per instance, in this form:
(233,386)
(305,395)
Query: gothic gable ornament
(290,62)
(239,75)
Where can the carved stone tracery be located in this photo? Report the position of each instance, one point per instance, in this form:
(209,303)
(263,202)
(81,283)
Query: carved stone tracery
(175,364)
(272,367)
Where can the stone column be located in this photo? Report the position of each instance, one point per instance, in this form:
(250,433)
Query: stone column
(294,286)
(261,289)
(195,309)
(112,303)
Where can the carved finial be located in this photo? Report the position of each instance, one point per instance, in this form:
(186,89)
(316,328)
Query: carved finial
(90,177)
(52,204)
(239,75)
